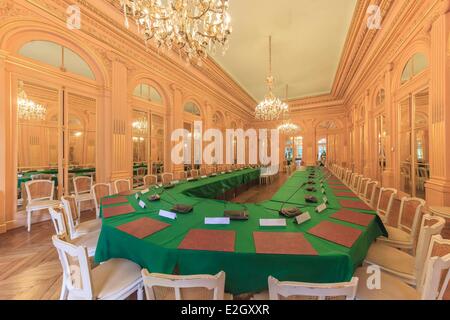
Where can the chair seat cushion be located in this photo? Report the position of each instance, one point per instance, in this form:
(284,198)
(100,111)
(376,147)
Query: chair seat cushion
(115,277)
(84,197)
(89,226)
(42,204)
(397,235)
(391,288)
(89,241)
(391,259)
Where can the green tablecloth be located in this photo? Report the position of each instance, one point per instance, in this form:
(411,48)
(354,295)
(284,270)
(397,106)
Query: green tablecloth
(246,271)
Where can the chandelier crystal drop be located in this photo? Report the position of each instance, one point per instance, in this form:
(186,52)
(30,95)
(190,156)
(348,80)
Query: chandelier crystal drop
(271,107)
(287,127)
(28,109)
(190,26)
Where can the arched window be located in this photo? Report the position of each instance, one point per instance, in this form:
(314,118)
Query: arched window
(148,93)
(379,100)
(192,108)
(57,56)
(415,65)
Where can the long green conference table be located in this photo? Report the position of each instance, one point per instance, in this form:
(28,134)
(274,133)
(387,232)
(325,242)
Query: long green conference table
(246,251)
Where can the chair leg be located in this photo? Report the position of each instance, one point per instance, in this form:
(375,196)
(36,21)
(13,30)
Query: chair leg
(140,292)
(64,292)
(29,220)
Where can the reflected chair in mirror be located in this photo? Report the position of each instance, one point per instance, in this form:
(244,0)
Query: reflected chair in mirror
(404,235)
(289,290)
(138,179)
(398,263)
(167,177)
(422,177)
(60,224)
(173,287)
(384,204)
(122,185)
(82,187)
(115,279)
(435,285)
(75,227)
(194,173)
(405,176)
(100,190)
(40,194)
(150,180)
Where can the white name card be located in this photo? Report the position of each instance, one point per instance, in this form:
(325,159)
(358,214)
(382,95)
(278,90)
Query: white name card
(142,204)
(224,220)
(175,182)
(167,214)
(145,191)
(325,199)
(158,186)
(303,218)
(223,172)
(321,208)
(136,195)
(272,222)
(323,190)
(204,177)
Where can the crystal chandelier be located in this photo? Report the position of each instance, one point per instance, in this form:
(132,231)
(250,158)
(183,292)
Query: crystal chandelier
(140,125)
(287,127)
(27,109)
(190,26)
(271,107)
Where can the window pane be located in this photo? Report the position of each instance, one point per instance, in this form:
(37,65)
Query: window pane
(75,64)
(43,51)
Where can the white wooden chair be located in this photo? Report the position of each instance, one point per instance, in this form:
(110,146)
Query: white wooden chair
(289,290)
(196,287)
(369,193)
(115,279)
(100,190)
(167,177)
(356,182)
(435,279)
(203,171)
(150,180)
(82,186)
(75,227)
(40,195)
(404,235)
(88,240)
(384,204)
(347,177)
(401,264)
(122,185)
(138,179)
(362,187)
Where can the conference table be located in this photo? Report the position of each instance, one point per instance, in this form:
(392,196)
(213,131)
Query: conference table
(245,250)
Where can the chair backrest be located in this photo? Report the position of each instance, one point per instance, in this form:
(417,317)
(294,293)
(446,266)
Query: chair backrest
(371,189)
(203,171)
(150,180)
(167,177)
(39,190)
(356,182)
(122,185)
(385,200)
(76,271)
(70,211)
(423,173)
(194,173)
(59,223)
(173,287)
(430,226)
(437,270)
(42,176)
(100,190)
(312,291)
(82,184)
(362,186)
(409,216)
(140,171)
(348,175)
